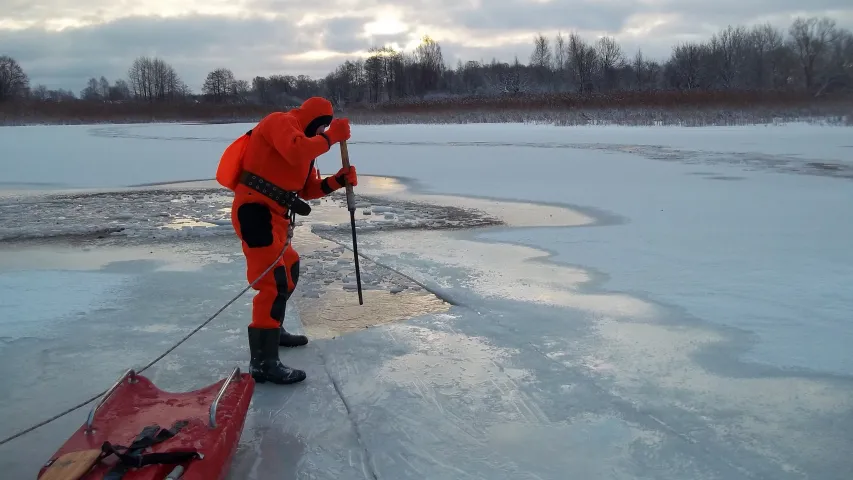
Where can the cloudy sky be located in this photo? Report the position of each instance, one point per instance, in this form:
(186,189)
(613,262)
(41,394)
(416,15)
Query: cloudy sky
(61,43)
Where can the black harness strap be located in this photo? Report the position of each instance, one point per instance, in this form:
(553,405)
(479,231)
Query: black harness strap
(133,456)
(285,198)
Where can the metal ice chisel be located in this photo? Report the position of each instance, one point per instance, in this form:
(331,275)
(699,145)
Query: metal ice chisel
(351,208)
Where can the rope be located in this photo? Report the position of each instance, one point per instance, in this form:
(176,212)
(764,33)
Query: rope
(150,364)
(443,296)
(440,295)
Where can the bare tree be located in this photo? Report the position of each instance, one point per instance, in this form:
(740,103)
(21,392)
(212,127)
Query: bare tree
(610,60)
(218,84)
(541,56)
(375,72)
(505,78)
(395,73)
(559,52)
(152,79)
(280,87)
(397,76)
(92,90)
(120,91)
(104,88)
(584,61)
(40,93)
(261,90)
(540,61)
(811,38)
(515,80)
(728,56)
(640,70)
(816,54)
(346,84)
(382,73)
(429,64)
(765,41)
(472,77)
(140,81)
(168,86)
(240,91)
(654,72)
(838,69)
(14,83)
(685,67)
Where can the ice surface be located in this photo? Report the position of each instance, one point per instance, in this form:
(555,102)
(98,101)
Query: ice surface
(82,350)
(764,253)
(169,213)
(70,294)
(697,328)
(167,152)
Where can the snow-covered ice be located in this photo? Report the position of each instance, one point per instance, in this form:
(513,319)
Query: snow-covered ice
(637,303)
(153,153)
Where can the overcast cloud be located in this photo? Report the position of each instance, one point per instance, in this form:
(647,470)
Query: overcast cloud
(61,43)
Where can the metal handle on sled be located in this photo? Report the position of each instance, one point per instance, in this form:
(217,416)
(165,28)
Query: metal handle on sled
(234,373)
(89,421)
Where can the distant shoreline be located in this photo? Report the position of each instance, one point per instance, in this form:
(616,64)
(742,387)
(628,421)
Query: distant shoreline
(614,117)
(683,108)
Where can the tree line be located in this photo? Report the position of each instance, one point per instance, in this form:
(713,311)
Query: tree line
(812,55)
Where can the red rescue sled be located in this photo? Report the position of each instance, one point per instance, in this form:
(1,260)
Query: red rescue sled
(143,433)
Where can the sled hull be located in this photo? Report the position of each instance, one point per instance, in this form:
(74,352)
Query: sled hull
(135,403)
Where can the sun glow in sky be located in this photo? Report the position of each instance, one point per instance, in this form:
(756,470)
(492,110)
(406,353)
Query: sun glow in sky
(385,24)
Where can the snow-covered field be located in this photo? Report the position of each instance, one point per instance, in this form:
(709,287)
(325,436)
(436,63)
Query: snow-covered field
(634,303)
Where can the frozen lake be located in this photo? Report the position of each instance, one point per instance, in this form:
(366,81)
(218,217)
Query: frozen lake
(688,316)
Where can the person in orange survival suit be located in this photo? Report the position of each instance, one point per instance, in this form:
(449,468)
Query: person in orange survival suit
(276,167)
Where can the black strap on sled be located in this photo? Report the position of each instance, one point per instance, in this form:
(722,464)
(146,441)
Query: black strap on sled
(133,456)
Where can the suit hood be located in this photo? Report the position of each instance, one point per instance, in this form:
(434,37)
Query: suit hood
(312,113)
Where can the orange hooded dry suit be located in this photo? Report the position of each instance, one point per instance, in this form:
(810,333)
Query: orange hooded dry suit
(280,152)
(267,168)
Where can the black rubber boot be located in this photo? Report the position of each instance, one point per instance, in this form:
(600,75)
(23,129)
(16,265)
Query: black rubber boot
(265,364)
(286,339)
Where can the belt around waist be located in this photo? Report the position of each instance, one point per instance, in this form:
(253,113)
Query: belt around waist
(286,198)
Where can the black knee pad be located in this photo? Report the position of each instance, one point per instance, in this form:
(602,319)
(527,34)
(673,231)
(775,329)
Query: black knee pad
(280,302)
(294,273)
(255,224)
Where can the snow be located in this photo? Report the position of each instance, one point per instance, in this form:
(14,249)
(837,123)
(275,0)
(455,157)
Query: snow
(688,316)
(165,152)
